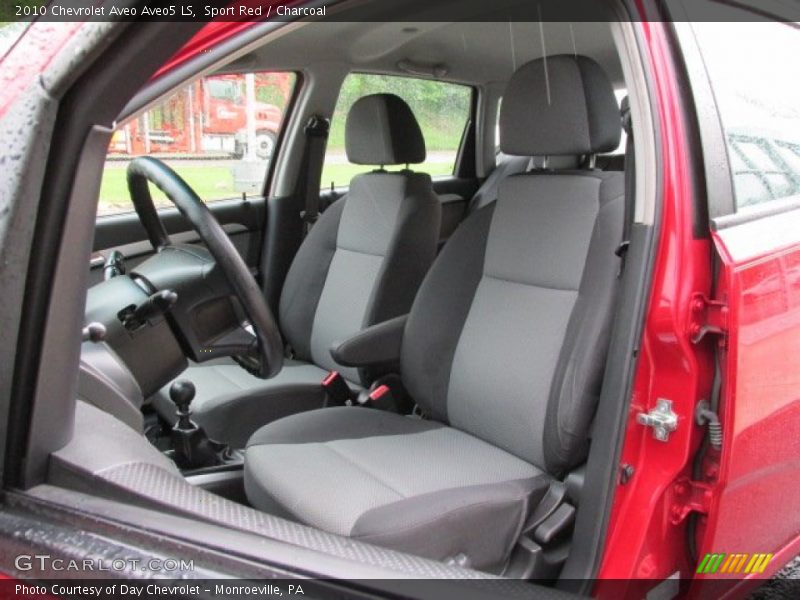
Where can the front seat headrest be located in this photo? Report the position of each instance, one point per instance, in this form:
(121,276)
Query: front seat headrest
(382,130)
(559,105)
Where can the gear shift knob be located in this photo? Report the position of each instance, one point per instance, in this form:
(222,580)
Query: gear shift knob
(182,393)
(192,448)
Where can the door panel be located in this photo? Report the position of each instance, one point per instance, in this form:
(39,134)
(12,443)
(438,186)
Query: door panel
(242,220)
(757,509)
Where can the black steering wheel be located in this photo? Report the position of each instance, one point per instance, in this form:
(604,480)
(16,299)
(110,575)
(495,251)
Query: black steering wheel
(147,169)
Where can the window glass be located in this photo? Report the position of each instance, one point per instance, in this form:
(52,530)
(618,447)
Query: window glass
(757,155)
(218,133)
(791,154)
(442,110)
(758,95)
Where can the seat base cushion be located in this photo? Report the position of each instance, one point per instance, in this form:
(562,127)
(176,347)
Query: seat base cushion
(230,403)
(399,482)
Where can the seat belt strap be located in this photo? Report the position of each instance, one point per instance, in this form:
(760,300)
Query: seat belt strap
(310,173)
(630,189)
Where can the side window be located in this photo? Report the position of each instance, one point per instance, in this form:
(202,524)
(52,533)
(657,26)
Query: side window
(442,110)
(219,133)
(758,97)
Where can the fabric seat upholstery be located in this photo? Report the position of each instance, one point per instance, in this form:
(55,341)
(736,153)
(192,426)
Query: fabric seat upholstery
(361,264)
(388,479)
(504,350)
(506,166)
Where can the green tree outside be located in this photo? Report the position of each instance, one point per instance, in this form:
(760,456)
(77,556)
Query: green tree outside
(442,109)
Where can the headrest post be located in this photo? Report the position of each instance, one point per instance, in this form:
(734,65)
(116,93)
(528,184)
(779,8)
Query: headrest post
(545,161)
(592,160)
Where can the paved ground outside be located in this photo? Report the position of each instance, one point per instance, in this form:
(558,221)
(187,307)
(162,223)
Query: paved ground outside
(784,586)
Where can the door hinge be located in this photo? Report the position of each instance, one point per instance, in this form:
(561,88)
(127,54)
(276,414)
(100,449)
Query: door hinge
(662,419)
(689,496)
(708,317)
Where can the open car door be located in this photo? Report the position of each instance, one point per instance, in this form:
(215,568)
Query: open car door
(752,525)
(748,471)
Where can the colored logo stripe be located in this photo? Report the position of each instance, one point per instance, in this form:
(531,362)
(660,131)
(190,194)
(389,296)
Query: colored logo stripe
(710,563)
(713,563)
(758,563)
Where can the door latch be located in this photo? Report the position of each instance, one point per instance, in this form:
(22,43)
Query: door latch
(662,419)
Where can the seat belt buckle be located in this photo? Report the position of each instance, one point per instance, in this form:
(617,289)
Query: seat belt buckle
(379,396)
(337,391)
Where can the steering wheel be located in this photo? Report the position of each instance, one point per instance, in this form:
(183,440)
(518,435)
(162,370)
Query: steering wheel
(147,169)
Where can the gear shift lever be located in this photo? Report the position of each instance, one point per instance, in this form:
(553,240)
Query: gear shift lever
(193,449)
(182,393)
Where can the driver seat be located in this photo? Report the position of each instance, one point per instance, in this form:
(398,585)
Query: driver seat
(503,350)
(360,264)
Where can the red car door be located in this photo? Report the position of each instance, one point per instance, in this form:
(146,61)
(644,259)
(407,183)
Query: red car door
(757,510)
(751,144)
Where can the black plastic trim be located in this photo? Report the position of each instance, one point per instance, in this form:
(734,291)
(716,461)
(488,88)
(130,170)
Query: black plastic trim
(95,98)
(700,193)
(718,180)
(465,167)
(112,231)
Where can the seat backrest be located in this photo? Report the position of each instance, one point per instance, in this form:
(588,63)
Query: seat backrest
(507,337)
(363,261)
(506,166)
